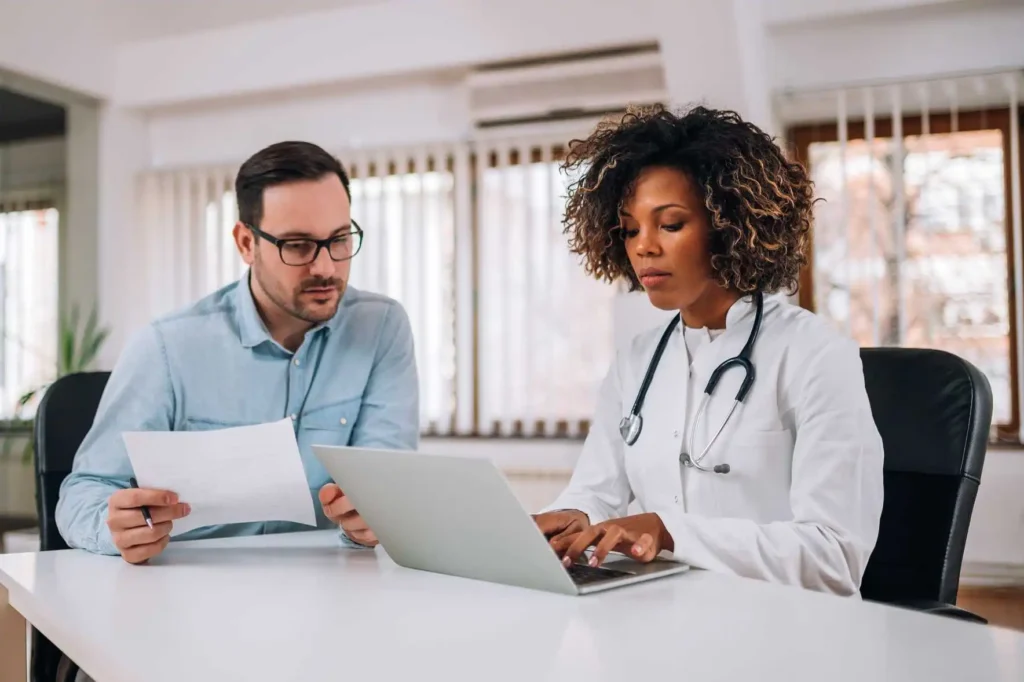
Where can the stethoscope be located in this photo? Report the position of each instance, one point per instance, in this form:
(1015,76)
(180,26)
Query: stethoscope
(633,423)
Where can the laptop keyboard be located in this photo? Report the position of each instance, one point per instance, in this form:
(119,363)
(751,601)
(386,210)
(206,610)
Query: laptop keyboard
(582,574)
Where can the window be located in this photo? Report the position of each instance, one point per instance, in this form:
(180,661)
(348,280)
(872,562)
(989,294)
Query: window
(28,302)
(918,253)
(512,338)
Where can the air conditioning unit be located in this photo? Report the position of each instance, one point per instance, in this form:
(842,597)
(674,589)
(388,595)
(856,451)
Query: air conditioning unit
(564,89)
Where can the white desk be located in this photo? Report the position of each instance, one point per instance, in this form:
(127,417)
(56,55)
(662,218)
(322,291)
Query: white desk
(299,607)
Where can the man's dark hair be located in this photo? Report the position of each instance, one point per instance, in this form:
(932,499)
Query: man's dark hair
(276,165)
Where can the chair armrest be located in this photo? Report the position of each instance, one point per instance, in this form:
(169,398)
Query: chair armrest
(940,609)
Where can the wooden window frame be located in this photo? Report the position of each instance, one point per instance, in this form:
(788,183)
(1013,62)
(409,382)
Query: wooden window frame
(802,136)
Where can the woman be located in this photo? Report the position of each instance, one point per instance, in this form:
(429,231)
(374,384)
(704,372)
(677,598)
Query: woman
(703,212)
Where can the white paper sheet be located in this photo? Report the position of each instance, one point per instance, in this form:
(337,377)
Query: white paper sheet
(236,475)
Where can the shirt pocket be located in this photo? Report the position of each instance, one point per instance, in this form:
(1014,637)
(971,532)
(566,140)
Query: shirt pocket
(330,424)
(206,424)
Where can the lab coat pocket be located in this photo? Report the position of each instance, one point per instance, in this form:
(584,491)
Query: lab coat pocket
(764,454)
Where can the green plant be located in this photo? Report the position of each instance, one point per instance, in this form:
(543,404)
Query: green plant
(77,351)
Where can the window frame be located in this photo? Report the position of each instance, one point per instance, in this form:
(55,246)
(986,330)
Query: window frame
(801,136)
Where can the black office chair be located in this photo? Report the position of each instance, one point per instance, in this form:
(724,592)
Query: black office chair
(933,410)
(64,417)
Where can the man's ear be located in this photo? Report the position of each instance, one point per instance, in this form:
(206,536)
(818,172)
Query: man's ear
(245,242)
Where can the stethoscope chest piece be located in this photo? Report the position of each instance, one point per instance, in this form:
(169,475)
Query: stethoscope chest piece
(630,427)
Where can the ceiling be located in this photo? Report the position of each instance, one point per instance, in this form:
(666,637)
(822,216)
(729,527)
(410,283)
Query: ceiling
(23,118)
(136,20)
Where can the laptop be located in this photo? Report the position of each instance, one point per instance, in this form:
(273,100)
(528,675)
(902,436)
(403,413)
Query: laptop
(458,516)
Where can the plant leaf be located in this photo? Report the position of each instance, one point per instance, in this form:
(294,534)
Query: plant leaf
(27,397)
(76,352)
(67,354)
(88,334)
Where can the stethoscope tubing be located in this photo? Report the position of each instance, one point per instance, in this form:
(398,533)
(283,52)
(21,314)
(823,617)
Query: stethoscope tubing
(631,425)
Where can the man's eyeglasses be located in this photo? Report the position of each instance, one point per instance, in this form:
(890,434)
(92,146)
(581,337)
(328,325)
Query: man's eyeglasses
(303,251)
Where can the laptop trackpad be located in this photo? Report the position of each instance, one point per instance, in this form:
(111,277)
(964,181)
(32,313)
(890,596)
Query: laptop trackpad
(620,567)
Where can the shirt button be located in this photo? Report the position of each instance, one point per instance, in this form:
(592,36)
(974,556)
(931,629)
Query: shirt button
(292,416)
(344,421)
(676,434)
(296,361)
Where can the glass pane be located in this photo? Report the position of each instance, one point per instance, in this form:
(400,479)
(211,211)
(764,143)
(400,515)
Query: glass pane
(28,308)
(955,270)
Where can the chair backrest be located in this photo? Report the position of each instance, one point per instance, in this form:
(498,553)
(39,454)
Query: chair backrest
(933,410)
(64,417)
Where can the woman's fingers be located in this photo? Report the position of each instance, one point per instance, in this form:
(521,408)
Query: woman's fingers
(612,537)
(580,543)
(645,548)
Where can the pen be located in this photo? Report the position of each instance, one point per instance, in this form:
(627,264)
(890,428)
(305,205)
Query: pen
(144,508)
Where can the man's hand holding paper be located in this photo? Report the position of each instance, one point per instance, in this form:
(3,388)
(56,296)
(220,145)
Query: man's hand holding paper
(235,475)
(134,538)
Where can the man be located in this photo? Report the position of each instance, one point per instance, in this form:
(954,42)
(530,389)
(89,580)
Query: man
(291,338)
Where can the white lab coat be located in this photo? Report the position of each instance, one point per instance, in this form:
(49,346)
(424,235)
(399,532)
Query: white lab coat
(802,501)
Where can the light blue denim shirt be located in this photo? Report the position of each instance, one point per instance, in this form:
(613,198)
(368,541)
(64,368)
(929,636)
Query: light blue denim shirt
(353,381)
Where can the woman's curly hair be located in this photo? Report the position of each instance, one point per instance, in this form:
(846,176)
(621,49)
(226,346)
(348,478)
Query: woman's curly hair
(760,204)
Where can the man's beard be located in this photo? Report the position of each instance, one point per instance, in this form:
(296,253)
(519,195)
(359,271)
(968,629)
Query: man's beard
(293,303)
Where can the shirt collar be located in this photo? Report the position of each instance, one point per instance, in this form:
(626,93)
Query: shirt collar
(251,328)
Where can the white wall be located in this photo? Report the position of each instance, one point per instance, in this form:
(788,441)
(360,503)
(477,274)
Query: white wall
(373,41)
(367,114)
(120,244)
(939,40)
(56,42)
(80,222)
(406,91)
